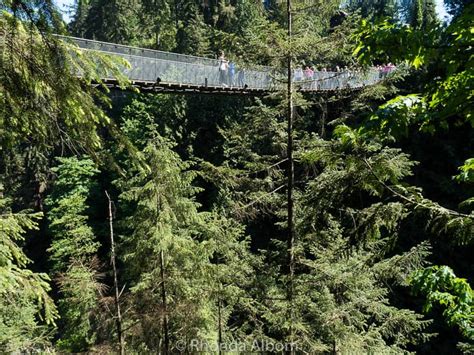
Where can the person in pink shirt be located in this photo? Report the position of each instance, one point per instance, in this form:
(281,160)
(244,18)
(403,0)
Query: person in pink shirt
(308,76)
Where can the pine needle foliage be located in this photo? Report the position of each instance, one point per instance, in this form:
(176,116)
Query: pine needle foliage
(26,309)
(72,251)
(73,238)
(188,266)
(80,292)
(199,183)
(43,102)
(345,232)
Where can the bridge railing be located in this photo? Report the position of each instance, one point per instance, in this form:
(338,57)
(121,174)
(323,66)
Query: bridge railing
(152,65)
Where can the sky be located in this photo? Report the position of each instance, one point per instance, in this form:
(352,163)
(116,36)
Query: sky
(65,4)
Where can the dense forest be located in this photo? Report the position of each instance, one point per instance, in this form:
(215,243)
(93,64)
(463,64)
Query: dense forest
(332,222)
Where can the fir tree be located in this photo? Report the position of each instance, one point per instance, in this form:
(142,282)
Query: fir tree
(293,218)
(185,268)
(27,312)
(73,252)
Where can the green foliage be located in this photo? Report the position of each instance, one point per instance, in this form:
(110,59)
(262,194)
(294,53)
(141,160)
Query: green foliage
(73,239)
(385,41)
(466,171)
(254,151)
(394,119)
(73,176)
(192,36)
(80,291)
(352,171)
(349,308)
(454,295)
(42,14)
(200,181)
(201,251)
(25,306)
(450,97)
(186,27)
(446,100)
(374,8)
(20,329)
(43,107)
(345,233)
(438,218)
(72,251)
(43,103)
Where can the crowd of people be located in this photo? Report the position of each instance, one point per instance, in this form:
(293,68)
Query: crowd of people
(309,77)
(318,78)
(385,69)
(228,73)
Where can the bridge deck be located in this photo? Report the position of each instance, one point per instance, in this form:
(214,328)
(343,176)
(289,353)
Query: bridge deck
(160,71)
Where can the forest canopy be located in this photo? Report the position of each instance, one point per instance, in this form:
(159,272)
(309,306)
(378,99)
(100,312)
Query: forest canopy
(298,219)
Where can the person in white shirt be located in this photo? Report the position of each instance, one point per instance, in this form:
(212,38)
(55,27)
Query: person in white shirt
(223,68)
(298,74)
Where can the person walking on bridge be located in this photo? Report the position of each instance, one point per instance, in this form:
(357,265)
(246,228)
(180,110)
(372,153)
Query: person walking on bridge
(308,77)
(231,73)
(298,75)
(241,78)
(223,67)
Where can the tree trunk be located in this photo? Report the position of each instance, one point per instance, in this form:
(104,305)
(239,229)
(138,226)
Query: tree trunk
(324,116)
(220,325)
(165,310)
(290,117)
(118,319)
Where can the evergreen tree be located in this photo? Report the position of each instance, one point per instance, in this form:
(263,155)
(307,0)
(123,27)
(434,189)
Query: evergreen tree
(42,100)
(73,251)
(27,312)
(115,21)
(421,14)
(44,107)
(78,23)
(375,9)
(347,228)
(456,7)
(187,269)
(192,36)
(291,218)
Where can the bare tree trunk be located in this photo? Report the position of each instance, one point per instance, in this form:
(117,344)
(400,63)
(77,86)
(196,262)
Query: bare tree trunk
(165,308)
(290,118)
(220,325)
(176,14)
(118,318)
(324,116)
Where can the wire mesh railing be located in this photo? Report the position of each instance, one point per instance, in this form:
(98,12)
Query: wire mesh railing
(152,65)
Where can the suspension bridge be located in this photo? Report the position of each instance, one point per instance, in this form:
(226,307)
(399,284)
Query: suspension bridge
(159,71)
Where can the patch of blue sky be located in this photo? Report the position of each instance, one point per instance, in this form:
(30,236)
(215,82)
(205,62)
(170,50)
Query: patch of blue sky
(65,6)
